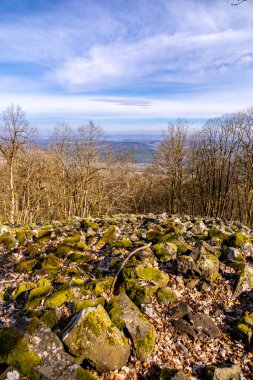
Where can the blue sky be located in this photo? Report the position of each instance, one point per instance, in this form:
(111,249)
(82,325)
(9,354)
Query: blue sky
(128,65)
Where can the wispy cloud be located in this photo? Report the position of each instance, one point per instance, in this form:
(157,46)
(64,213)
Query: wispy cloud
(131,59)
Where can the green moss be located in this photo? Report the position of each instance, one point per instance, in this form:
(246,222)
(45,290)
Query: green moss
(94,323)
(248,318)
(115,311)
(129,272)
(149,273)
(77,282)
(49,317)
(8,240)
(165,295)
(154,235)
(165,251)
(123,243)
(15,352)
(84,374)
(33,249)
(63,250)
(99,286)
(237,240)
(23,234)
(80,305)
(80,257)
(72,240)
(182,248)
(60,296)
(22,288)
(51,262)
(147,343)
(8,339)
(134,291)
(44,234)
(109,236)
(167,373)
(43,281)
(215,232)
(244,328)
(37,295)
(25,266)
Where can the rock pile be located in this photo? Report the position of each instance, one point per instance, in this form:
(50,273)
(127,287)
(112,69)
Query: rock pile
(182,307)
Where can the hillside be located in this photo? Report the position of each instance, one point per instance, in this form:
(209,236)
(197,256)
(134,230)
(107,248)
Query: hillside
(181,307)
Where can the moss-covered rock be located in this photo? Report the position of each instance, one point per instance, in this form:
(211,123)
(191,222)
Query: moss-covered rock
(33,249)
(23,287)
(37,295)
(8,240)
(25,266)
(92,335)
(154,235)
(111,234)
(154,275)
(60,296)
(44,234)
(237,240)
(182,247)
(172,374)
(125,314)
(50,317)
(15,351)
(245,281)
(32,348)
(125,242)
(165,251)
(223,372)
(165,295)
(209,267)
(24,234)
(51,262)
(135,291)
(84,304)
(245,328)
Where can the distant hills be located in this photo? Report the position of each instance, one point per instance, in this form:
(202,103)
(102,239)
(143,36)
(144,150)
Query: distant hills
(141,147)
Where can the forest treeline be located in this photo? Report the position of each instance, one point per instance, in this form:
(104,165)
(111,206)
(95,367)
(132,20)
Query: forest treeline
(208,173)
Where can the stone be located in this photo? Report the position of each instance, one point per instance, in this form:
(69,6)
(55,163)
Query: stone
(237,240)
(91,335)
(245,328)
(184,327)
(223,372)
(173,374)
(209,267)
(135,291)
(165,295)
(204,325)
(110,235)
(32,348)
(165,251)
(180,310)
(11,373)
(245,281)
(152,274)
(187,266)
(125,314)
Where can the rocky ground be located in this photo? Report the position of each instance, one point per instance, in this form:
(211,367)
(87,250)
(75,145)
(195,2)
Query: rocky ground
(181,307)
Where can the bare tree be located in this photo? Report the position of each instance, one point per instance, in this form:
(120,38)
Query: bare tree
(170,163)
(15,135)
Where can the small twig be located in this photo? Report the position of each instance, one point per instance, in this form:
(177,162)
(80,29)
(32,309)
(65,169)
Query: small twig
(123,264)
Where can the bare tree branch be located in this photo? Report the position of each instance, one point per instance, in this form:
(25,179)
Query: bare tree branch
(124,263)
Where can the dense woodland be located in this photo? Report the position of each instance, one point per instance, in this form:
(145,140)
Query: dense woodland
(208,173)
